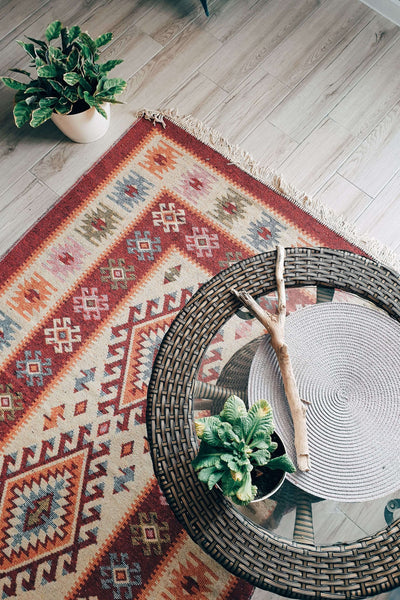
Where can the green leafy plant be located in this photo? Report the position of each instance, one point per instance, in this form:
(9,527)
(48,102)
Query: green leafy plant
(232,444)
(69,77)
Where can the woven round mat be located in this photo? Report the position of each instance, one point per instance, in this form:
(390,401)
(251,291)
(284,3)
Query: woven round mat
(346,360)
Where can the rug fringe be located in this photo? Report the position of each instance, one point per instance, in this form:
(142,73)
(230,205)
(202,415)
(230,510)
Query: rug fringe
(242,159)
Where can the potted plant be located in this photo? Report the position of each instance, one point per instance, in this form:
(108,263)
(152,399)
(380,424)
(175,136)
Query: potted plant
(235,445)
(68,85)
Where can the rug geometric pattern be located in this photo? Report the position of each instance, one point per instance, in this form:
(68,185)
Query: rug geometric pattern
(86,298)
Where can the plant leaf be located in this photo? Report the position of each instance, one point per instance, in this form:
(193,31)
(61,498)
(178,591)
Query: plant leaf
(210,476)
(64,40)
(40,115)
(260,457)
(48,102)
(219,434)
(39,62)
(111,92)
(110,64)
(72,78)
(229,485)
(40,43)
(85,51)
(48,71)
(19,96)
(101,111)
(56,86)
(111,100)
(22,113)
(227,435)
(247,492)
(92,101)
(103,39)
(55,55)
(85,84)
(42,55)
(210,424)
(53,30)
(207,456)
(29,48)
(259,420)
(88,42)
(34,84)
(214,478)
(282,462)
(116,85)
(63,107)
(89,99)
(261,409)
(234,409)
(13,83)
(72,60)
(90,70)
(22,71)
(71,93)
(261,441)
(73,33)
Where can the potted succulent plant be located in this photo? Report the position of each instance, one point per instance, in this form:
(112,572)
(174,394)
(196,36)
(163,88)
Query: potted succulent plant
(69,84)
(235,446)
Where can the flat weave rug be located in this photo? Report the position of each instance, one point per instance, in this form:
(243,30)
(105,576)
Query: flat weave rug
(87,296)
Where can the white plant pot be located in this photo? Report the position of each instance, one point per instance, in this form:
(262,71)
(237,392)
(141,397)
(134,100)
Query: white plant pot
(83,127)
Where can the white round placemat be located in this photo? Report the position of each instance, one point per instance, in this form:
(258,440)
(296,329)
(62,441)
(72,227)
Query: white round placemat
(346,360)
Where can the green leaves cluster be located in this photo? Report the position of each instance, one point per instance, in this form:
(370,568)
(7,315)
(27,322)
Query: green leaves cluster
(68,79)
(232,443)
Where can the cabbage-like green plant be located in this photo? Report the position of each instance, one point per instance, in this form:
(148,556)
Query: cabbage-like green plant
(232,444)
(69,78)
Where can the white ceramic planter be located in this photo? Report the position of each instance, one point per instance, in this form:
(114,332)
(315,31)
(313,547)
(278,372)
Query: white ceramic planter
(83,127)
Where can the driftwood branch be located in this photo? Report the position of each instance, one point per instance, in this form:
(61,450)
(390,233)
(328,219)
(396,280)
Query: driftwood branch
(275,325)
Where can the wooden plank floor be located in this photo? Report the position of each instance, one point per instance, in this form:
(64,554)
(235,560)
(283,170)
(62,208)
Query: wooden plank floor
(310,88)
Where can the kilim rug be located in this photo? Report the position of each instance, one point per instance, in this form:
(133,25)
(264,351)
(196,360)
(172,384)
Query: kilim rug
(87,296)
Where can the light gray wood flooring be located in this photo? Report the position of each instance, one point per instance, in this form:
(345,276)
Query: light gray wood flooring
(310,88)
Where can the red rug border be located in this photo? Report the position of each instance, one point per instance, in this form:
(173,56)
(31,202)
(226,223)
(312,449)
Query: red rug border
(92,178)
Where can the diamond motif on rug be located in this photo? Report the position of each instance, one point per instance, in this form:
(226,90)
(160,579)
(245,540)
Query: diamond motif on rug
(42,502)
(34,368)
(62,335)
(10,402)
(31,296)
(65,258)
(131,191)
(117,273)
(120,575)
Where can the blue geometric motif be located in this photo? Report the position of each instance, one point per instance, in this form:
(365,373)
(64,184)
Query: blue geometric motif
(7,329)
(48,502)
(87,376)
(120,576)
(121,481)
(130,191)
(143,246)
(265,234)
(33,369)
(148,350)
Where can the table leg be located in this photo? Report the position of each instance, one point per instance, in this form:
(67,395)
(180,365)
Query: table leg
(303,527)
(216,393)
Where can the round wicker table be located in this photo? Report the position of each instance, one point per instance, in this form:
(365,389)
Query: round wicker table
(291,567)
